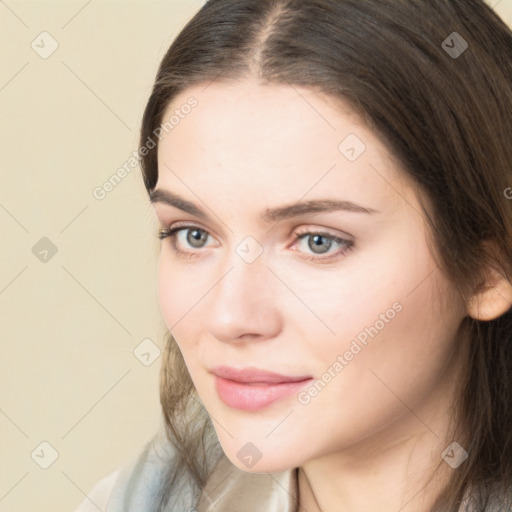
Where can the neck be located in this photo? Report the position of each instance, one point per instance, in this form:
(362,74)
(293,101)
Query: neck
(409,486)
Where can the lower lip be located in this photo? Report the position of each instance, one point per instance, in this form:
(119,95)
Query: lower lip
(252,397)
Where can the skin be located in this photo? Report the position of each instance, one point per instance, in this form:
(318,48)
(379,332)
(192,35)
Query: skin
(372,437)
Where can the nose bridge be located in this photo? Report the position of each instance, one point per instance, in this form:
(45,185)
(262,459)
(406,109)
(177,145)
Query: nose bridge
(245,274)
(242,302)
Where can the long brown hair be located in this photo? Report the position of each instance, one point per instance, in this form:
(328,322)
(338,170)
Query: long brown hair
(443,110)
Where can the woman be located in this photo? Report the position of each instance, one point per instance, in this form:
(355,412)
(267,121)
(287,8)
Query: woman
(370,374)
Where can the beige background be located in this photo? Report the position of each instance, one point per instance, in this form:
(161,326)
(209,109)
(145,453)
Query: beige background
(69,323)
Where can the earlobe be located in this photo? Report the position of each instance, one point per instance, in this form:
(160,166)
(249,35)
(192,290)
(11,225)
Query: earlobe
(492,298)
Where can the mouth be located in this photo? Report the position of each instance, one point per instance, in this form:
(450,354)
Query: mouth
(254,375)
(252,389)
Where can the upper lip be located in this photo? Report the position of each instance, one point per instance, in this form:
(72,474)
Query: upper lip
(254,375)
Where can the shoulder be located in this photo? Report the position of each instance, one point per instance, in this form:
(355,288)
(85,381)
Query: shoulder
(99,495)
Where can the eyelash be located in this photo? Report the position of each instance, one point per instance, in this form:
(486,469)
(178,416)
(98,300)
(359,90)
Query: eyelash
(173,232)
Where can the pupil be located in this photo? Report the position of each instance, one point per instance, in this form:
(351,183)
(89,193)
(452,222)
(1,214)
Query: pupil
(317,242)
(196,235)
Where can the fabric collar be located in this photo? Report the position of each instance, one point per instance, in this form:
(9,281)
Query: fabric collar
(229,489)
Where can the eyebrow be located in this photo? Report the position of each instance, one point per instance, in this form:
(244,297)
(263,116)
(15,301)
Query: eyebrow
(270,214)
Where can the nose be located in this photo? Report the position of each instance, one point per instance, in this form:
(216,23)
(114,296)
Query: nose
(244,303)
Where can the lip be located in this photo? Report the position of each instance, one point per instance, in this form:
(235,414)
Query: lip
(252,374)
(255,389)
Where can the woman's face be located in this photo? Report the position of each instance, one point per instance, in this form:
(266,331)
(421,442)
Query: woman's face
(358,305)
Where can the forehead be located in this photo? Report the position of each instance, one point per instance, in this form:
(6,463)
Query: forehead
(275,139)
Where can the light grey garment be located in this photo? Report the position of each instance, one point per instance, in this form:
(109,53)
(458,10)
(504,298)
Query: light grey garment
(231,490)
(141,482)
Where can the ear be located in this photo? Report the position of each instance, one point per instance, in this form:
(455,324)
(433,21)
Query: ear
(492,297)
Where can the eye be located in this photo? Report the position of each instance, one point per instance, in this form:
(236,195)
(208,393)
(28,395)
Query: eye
(195,236)
(318,242)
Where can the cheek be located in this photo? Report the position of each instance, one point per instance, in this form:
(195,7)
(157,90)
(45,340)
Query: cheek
(182,296)
(166,298)
(180,288)
(395,312)
(364,297)
(394,350)
(175,294)
(176,307)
